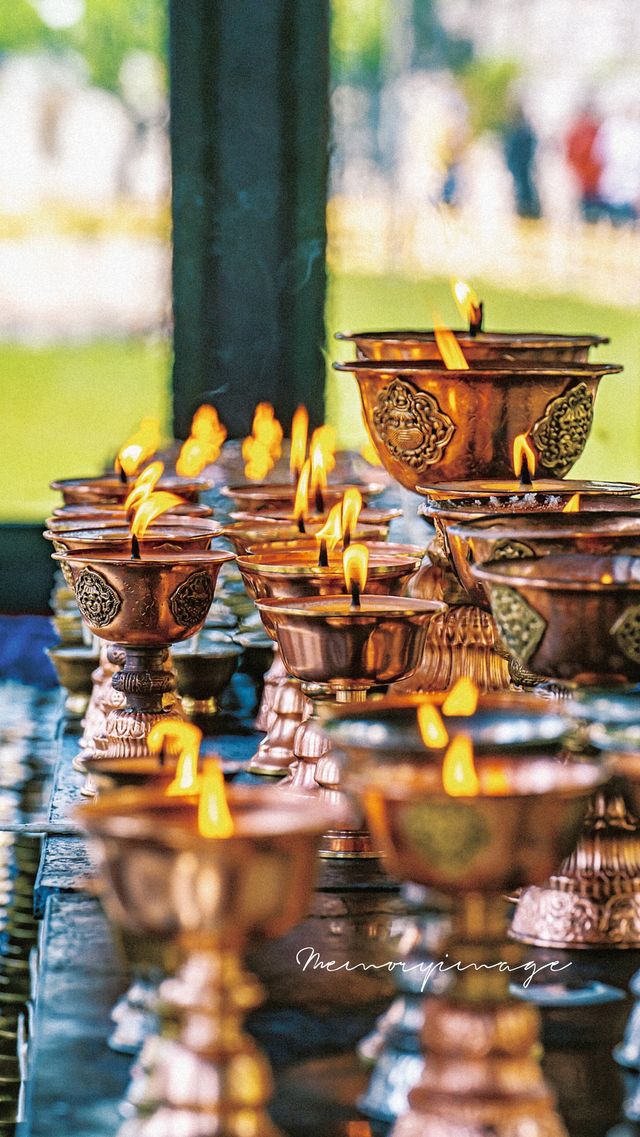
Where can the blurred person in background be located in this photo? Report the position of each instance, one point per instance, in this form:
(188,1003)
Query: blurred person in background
(617,147)
(585,160)
(519,142)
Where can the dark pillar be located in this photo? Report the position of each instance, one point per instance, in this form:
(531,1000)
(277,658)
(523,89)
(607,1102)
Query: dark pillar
(249,138)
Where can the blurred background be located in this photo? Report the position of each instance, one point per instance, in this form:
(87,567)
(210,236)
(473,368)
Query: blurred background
(493,140)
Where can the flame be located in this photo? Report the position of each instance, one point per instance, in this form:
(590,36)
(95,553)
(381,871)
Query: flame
(214,816)
(459,778)
(301,502)
(186,738)
(462,698)
(467,301)
(573,504)
(152,507)
(204,444)
(325,438)
(355,565)
(522,452)
(351,507)
(606,578)
(144,484)
(262,448)
(449,348)
(331,531)
(318,469)
(299,432)
(139,447)
(432,729)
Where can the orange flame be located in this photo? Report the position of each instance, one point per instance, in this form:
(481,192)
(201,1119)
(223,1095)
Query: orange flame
(459,778)
(139,447)
(331,531)
(299,432)
(152,507)
(432,729)
(351,508)
(462,698)
(144,484)
(187,738)
(355,565)
(467,301)
(573,504)
(301,502)
(214,816)
(262,448)
(325,438)
(449,348)
(523,453)
(606,578)
(203,445)
(318,469)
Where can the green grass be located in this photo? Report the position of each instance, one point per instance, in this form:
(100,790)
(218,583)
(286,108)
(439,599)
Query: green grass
(66,409)
(359,303)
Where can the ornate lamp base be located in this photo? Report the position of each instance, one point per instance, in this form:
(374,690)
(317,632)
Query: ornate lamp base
(481,1071)
(594,901)
(316,770)
(288,708)
(462,641)
(202,1076)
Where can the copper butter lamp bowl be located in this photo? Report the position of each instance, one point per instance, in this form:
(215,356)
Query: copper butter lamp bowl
(571,617)
(535,347)
(510,829)
(325,640)
(292,572)
(108,489)
(519,536)
(430,424)
(213,898)
(144,606)
(169,535)
(94,516)
(248,534)
(258,497)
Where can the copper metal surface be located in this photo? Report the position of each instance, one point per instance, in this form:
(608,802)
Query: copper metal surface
(518,536)
(176,535)
(561,619)
(295,572)
(325,640)
(539,347)
(212,897)
(92,515)
(108,489)
(432,425)
(257,497)
(144,602)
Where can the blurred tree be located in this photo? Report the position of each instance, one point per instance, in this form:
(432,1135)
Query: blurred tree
(111,29)
(357,40)
(433,45)
(105,34)
(21,28)
(486,84)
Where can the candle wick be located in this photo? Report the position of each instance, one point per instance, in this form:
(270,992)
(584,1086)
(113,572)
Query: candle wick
(355,594)
(525,474)
(319,500)
(135,548)
(323,559)
(122,473)
(475,319)
(346,540)
(162,756)
(301,528)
